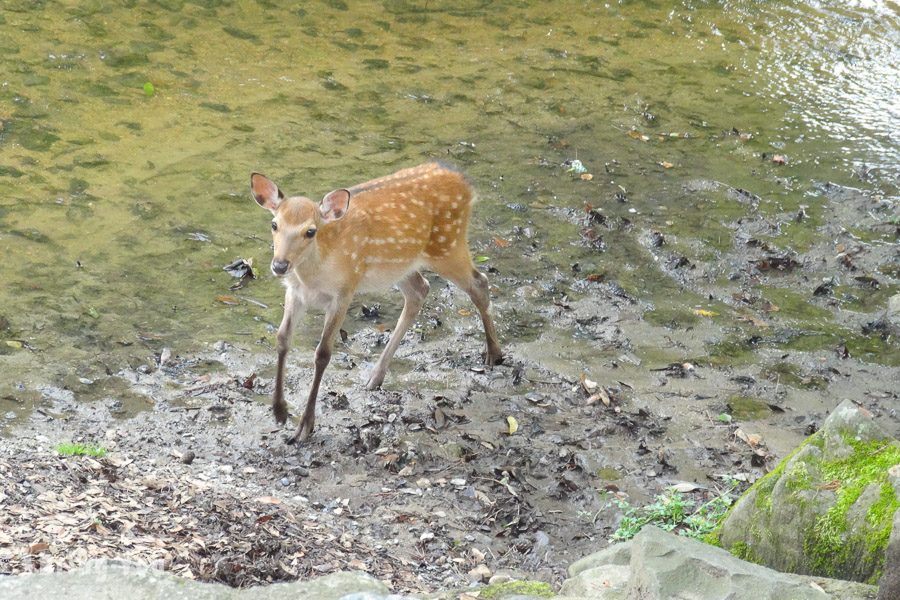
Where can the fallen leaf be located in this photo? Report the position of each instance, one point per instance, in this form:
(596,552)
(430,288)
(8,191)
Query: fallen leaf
(665,164)
(700,312)
(779,159)
(588,385)
(501,243)
(268,500)
(586,177)
(601,395)
(229,300)
(38,548)
(513,425)
(684,487)
(637,135)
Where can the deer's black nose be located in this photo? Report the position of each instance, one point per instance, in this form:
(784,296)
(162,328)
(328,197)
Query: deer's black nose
(280,267)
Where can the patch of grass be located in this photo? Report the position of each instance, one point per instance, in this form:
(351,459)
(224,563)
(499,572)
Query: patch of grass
(673,512)
(73,449)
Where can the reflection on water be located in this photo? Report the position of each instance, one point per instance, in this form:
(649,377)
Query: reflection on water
(127,133)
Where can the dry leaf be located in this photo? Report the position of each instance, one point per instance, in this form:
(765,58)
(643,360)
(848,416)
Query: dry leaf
(268,500)
(637,135)
(501,243)
(38,548)
(700,312)
(513,425)
(665,164)
(588,385)
(601,395)
(586,177)
(229,300)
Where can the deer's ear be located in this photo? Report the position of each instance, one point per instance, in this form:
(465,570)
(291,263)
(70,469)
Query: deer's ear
(265,192)
(335,205)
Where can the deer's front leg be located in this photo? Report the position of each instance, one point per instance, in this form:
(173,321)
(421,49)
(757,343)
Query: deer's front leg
(334,317)
(292,311)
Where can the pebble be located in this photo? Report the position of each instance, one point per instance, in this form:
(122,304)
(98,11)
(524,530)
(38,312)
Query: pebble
(226,469)
(423,483)
(458,482)
(480,573)
(220,346)
(188,457)
(285,481)
(427,535)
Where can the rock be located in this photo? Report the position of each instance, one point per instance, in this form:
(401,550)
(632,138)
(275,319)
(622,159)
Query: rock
(656,565)
(889,584)
(480,573)
(827,509)
(892,315)
(107,578)
(188,457)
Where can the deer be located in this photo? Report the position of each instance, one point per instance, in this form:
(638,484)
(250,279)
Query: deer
(368,237)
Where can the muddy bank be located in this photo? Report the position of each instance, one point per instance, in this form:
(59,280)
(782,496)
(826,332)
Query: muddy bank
(422,484)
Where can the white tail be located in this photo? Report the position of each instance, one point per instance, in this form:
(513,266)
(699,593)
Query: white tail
(370,236)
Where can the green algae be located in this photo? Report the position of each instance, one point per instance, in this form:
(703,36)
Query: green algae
(538,589)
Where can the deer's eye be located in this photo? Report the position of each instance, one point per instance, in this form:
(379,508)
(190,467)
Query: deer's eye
(311,232)
(274,226)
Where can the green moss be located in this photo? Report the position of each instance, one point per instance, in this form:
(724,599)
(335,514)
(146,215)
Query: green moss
(743,551)
(794,305)
(671,317)
(788,374)
(832,547)
(517,588)
(798,478)
(745,408)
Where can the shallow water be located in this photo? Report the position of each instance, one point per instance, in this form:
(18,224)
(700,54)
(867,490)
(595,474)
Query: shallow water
(127,135)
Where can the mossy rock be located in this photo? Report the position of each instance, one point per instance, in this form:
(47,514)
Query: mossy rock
(827,509)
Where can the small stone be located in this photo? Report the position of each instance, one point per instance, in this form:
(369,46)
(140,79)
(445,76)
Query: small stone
(85,381)
(423,483)
(500,578)
(188,457)
(225,469)
(426,536)
(458,482)
(220,346)
(480,573)
(165,356)
(285,481)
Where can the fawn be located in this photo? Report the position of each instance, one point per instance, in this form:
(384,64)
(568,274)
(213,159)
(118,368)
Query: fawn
(370,236)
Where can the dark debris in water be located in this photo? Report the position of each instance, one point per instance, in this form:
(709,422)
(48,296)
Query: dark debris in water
(241,268)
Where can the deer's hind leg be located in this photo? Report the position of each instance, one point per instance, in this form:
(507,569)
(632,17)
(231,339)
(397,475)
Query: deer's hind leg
(459,268)
(414,288)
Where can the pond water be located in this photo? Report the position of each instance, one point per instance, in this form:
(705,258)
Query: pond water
(128,132)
